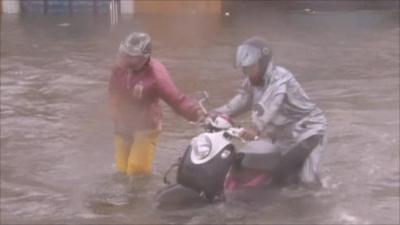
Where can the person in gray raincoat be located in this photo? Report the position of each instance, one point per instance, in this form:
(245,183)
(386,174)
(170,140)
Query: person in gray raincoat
(285,120)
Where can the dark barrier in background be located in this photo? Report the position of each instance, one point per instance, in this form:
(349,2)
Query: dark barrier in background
(323,5)
(63,7)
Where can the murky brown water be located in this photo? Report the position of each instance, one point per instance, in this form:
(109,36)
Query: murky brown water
(56,138)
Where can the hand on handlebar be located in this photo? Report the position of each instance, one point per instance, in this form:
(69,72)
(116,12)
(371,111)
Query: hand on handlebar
(249,134)
(201,116)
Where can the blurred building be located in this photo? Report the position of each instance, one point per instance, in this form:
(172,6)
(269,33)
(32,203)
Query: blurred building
(182,6)
(103,6)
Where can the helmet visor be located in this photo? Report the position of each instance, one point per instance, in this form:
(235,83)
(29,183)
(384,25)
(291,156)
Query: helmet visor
(247,55)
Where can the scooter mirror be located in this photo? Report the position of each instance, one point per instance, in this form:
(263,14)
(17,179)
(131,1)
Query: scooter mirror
(205,95)
(203,99)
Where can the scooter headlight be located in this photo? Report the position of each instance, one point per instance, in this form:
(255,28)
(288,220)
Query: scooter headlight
(202,146)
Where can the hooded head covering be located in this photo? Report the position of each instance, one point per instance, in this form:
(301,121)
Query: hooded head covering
(136,44)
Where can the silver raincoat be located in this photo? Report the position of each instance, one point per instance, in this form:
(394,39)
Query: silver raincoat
(283,114)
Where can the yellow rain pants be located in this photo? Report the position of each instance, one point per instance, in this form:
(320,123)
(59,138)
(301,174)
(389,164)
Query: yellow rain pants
(136,157)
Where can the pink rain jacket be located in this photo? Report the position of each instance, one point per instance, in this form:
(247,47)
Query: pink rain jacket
(134,97)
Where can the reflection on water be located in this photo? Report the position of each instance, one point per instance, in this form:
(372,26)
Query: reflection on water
(56,138)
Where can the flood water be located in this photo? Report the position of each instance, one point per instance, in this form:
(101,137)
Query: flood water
(57,156)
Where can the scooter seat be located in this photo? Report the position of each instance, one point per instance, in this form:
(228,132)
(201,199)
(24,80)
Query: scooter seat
(260,154)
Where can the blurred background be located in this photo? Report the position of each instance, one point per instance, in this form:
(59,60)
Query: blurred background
(57,155)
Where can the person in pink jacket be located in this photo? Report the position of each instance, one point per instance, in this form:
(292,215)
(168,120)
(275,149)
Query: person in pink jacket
(137,84)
